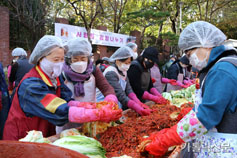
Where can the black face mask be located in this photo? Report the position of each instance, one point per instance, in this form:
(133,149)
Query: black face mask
(149,64)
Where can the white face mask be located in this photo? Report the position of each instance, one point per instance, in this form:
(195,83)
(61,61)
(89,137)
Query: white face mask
(79,66)
(195,62)
(53,70)
(135,55)
(124,67)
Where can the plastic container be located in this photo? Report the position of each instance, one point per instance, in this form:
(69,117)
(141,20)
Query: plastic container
(16,149)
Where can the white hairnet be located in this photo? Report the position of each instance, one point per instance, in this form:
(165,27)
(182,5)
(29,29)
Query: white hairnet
(18,52)
(44,46)
(106,59)
(131,45)
(122,53)
(200,34)
(78,47)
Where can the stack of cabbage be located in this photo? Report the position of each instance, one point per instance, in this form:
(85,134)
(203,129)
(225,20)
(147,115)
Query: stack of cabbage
(182,96)
(85,145)
(71,139)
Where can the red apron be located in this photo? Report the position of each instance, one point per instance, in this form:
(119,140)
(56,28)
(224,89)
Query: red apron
(18,124)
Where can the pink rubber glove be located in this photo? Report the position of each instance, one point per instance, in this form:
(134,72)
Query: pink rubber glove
(156,99)
(187,82)
(179,83)
(148,96)
(155,92)
(9,68)
(111,98)
(165,80)
(138,108)
(86,105)
(133,97)
(82,115)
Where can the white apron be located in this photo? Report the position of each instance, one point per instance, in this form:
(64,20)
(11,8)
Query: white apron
(180,78)
(122,82)
(213,144)
(90,96)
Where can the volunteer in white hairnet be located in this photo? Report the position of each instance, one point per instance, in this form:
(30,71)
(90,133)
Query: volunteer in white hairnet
(42,100)
(18,68)
(133,46)
(18,52)
(212,122)
(82,78)
(116,74)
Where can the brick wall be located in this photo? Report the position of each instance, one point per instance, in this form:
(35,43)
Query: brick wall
(4,36)
(61,20)
(137,34)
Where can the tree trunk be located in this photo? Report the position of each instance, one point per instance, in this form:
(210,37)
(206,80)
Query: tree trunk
(158,37)
(173,25)
(142,37)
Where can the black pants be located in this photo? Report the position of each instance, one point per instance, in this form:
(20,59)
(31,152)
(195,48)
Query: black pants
(4,112)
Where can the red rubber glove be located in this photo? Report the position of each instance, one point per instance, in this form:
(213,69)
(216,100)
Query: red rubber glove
(158,143)
(153,80)
(138,108)
(107,114)
(173,82)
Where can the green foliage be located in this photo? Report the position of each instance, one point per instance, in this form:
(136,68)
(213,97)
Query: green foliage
(157,20)
(172,39)
(27,21)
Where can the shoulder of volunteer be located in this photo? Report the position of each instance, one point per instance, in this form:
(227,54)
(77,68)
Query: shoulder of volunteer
(226,67)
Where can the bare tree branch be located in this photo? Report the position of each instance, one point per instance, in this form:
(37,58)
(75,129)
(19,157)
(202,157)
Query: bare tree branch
(221,6)
(199,8)
(206,12)
(212,7)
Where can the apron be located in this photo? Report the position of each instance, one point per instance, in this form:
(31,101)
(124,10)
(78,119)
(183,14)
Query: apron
(122,82)
(212,144)
(90,96)
(18,124)
(180,78)
(145,80)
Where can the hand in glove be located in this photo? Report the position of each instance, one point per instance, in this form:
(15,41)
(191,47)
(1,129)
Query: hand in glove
(111,98)
(156,99)
(183,112)
(138,108)
(165,80)
(155,92)
(85,105)
(82,115)
(157,144)
(133,97)
(187,129)
(108,115)
(153,80)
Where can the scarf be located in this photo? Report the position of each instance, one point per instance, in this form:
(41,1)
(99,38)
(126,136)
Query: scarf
(78,78)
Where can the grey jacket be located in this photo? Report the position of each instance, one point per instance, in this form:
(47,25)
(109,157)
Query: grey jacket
(113,79)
